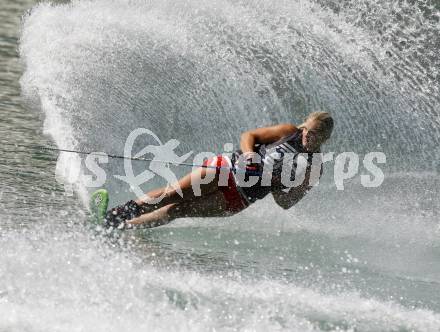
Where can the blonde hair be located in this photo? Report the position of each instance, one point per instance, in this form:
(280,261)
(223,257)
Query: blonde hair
(324,122)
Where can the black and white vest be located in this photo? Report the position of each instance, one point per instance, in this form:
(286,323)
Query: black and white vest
(273,157)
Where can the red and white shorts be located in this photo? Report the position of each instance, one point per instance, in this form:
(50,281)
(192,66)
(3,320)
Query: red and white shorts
(234,201)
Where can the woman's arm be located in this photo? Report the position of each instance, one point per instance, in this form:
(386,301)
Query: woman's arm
(264,136)
(289,199)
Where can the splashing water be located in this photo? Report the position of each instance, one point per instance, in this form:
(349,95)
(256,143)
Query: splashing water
(361,259)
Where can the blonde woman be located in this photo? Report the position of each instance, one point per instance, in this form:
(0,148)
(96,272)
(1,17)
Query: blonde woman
(262,153)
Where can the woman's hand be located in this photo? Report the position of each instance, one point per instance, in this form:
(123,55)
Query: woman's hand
(288,199)
(250,155)
(251,159)
(250,164)
(253,163)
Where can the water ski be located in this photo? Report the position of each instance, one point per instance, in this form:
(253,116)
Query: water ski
(98,205)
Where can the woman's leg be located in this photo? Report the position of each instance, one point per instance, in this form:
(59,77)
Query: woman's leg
(211,205)
(169,195)
(186,184)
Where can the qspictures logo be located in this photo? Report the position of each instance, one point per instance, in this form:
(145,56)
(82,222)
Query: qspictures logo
(293,167)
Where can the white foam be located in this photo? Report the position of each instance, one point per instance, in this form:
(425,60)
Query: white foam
(68,282)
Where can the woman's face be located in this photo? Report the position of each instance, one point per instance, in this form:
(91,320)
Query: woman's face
(310,137)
